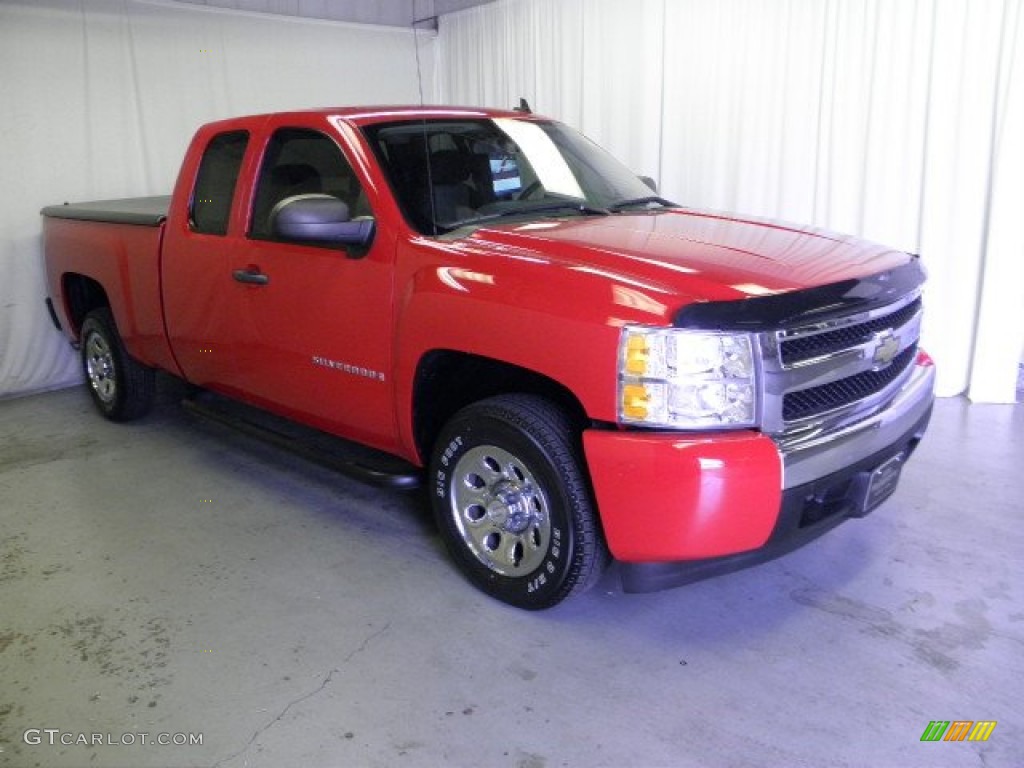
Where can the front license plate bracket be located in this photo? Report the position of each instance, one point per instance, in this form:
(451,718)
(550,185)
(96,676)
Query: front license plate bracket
(879,484)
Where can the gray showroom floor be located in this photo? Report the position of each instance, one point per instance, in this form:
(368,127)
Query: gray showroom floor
(170,577)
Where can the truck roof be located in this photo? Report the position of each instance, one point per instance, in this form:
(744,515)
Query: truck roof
(367,115)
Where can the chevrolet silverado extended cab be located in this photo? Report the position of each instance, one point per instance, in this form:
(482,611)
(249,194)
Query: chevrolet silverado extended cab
(574,366)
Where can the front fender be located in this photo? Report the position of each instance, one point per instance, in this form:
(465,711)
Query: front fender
(560,320)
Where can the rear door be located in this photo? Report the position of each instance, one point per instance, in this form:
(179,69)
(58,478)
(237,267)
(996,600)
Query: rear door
(196,257)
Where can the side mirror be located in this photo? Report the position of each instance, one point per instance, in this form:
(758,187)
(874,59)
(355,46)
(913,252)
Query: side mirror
(316,218)
(650,183)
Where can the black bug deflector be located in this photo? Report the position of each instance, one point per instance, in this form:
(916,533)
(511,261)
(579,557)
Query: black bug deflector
(810,305)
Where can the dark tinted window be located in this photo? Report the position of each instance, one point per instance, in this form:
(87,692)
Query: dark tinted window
(448,173)
(299,161)
(216,181)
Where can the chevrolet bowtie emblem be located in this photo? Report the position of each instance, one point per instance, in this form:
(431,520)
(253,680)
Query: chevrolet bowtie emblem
(887,346)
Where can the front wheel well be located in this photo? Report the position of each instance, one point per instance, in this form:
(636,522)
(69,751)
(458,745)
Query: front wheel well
(447,381)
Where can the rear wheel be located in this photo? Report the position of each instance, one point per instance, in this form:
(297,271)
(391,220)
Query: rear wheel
(512,502)
(121,388)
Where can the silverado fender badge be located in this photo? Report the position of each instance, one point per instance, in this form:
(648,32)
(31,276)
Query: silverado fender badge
(887,346)
(355,370)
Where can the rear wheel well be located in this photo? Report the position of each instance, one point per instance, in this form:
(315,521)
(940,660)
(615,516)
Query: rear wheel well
(447,381)
(81,296)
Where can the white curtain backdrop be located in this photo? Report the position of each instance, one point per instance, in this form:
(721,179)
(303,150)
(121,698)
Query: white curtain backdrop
(901,122)
(99,98)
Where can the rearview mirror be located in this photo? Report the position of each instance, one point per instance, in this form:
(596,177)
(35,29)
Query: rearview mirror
(316,218)
(651,183)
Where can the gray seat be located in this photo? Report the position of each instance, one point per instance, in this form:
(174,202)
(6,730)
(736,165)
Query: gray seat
(452,196)
(283,181)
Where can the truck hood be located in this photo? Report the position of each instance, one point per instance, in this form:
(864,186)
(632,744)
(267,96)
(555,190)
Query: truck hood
(699,254)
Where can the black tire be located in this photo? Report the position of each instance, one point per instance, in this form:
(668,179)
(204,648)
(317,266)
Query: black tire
(121,388)
(512,502)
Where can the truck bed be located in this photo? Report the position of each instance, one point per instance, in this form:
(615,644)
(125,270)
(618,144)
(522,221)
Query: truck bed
(110,249)
(140,211)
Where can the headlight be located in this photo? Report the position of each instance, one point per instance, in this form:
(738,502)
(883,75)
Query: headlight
(686,379)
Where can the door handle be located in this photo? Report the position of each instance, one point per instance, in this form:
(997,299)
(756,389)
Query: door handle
(251,275)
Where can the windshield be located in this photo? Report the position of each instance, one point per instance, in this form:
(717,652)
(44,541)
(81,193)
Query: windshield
(452,173)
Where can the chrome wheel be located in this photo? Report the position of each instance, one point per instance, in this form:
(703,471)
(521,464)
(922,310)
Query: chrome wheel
(99,367)
(500,510)
(511,500)
(121,387)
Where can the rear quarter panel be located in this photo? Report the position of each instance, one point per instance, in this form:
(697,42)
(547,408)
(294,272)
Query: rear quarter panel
(124,260)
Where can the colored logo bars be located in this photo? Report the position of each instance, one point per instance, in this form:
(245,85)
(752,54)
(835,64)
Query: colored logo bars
(958,730)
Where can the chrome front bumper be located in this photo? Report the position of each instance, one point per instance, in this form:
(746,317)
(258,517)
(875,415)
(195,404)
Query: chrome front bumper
(813,454)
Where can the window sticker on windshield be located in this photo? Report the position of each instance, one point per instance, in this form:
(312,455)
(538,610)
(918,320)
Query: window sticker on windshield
(505,175)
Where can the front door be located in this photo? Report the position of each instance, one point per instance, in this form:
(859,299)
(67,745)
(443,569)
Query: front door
(314,321)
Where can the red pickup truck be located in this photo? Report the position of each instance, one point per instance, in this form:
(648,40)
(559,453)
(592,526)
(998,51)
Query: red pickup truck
(574,366)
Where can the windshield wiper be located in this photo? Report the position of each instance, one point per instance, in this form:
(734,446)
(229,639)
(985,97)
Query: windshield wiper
(635,201)
(582,208)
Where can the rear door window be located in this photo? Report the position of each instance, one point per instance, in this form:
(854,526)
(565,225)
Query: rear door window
(216,181)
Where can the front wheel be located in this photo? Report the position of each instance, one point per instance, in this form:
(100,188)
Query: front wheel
(121,388)
(512,503)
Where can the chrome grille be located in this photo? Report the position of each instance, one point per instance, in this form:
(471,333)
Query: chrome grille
(796,350)
(837,394)
(826,374)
